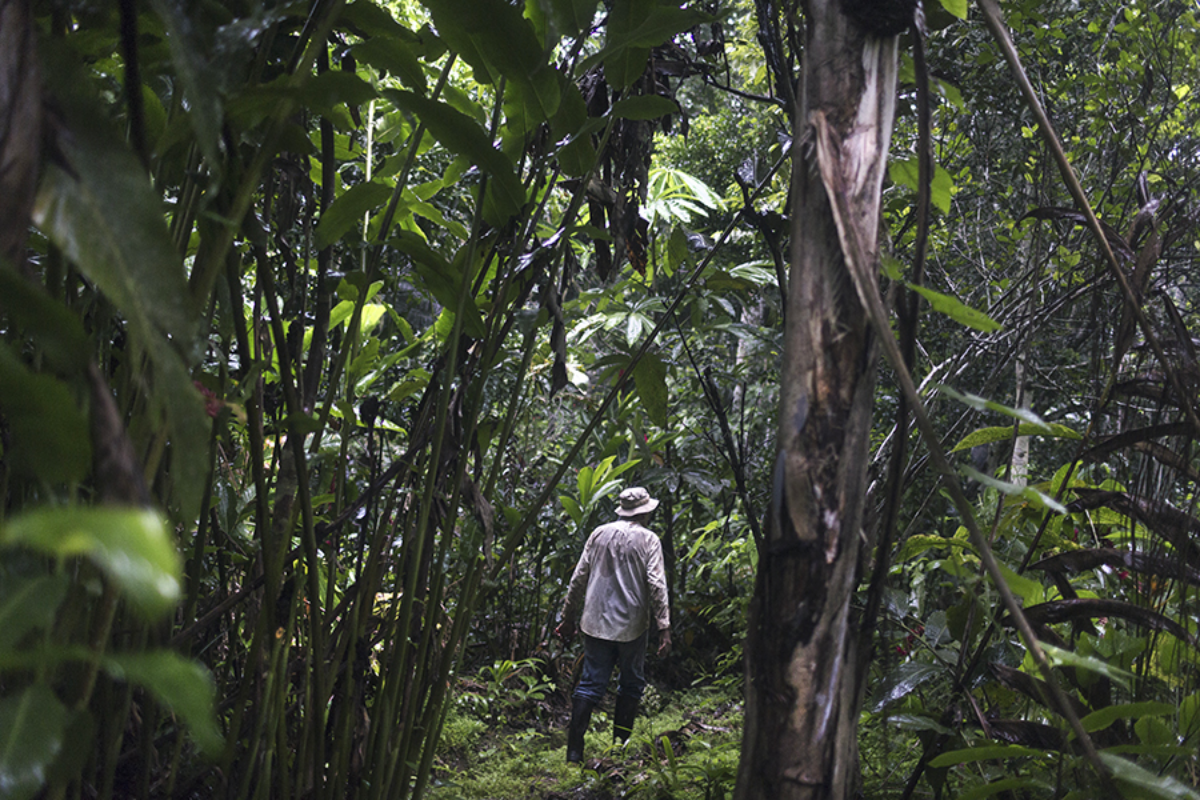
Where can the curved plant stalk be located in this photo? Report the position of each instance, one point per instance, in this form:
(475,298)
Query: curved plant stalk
(861,269)
(1000,32)
(909,325)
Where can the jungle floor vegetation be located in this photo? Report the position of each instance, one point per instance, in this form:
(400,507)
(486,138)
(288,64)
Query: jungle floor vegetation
(329,329)
(685,745)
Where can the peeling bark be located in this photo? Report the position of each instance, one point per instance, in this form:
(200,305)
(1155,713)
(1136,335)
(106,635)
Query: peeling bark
(804,671)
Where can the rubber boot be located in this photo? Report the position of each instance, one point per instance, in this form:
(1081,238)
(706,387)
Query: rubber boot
(623,716)
(581,715)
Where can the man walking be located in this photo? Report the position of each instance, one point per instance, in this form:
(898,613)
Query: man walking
(621,587)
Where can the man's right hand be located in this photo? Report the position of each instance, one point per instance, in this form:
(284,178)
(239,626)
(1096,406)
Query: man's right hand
(565,630)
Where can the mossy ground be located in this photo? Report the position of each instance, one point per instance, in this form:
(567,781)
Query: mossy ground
(684,745)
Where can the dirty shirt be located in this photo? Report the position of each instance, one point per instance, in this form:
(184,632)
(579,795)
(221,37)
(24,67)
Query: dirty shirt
(620,582)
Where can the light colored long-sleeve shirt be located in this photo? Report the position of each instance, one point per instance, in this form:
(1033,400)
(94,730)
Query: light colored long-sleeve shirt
(620,583)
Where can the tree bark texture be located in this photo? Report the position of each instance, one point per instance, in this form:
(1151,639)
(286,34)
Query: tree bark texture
(804,650)
(20,126)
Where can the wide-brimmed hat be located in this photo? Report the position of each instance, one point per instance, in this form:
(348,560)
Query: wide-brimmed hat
(636,500)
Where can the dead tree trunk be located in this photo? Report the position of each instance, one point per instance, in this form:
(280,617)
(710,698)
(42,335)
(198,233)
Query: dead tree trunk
(804,649)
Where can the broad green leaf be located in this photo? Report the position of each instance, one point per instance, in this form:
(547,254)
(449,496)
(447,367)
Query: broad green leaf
(583,482)
(956,310)
(901,682)
(983,404)
(54,329)
(415,381)
(1034,496)
(1099,720)
(394,57)
(609,471)
(372,315)
(102,212)
(42,656)
(1018,786)
(677,248)
(197,71)
(49,433)
(463,136)
(956,7)
(369,19)
(78,745)
(1059,657)
(333,88)
(624,60)
(182,685)
(987,752)
(918,722)
(576,154)
(650,378)
(1003,433)
(364,361)
(568,18)
(1152,750)
(756,273)
(494,35)
(644,106)
(1139,782)
(1030,591)
(1155,732)
(442,279)
(1189,717)
(466,105)
(352,284)
(348,210)
(435,215)
(525,107)
(941,188)
(919,543)
(634,27)
(31,734)
(891,267)
(28,604)
(252,105)
(131,546)
(571,506)
(664,20)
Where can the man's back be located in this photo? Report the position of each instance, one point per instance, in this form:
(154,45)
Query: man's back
(624,560)
(620,584)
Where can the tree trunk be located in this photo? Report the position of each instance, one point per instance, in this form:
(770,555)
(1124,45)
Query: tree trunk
(804,649)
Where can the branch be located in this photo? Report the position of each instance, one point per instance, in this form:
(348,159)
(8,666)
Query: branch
(995,23)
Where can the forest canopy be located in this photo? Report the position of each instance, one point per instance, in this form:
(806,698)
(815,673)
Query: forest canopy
(331,329)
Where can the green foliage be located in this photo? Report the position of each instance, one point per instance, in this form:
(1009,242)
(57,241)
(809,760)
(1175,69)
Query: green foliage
(684,746)
(351,324)
(960,313)
(131,547)
(595,484)
(33,723)
(183,686)
(49,432)
(509,691)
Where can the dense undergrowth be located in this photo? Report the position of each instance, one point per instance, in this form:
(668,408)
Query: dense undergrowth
(505,739)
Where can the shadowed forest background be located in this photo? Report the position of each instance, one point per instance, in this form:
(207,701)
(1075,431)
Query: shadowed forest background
(331,329)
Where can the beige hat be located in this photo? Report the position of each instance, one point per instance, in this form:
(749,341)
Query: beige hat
(636,500)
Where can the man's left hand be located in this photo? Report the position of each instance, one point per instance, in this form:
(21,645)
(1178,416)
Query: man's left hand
(664,641)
